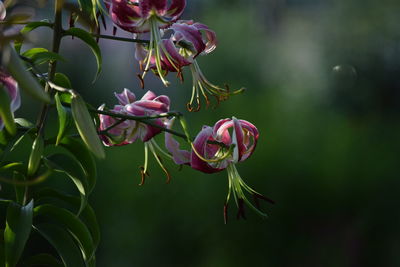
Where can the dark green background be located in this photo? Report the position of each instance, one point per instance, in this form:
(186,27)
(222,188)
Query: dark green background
(328,152)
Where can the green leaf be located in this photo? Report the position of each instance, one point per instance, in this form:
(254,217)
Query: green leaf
(42,55)
(36,155)
(5,111)
(88,215)
(64,119)
(88,39)
(24,123)
(25,79)
(41,260)
(84,124)
(67,165)
(62,241)
(2,256)
(18,229)
(28,28)
(62,80)
(71,222)
(84,157)
(20,191)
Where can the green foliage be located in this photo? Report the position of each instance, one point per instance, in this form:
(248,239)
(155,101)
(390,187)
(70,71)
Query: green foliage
(63,242)
(18,228)
(36,155)
(64,119)
(88,39)
(24,78)
(5,112)
(39,56)
(85,126)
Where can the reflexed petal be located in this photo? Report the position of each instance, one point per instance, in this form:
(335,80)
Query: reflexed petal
(176,8)
(188,33)
(212,41)
(200,144)
(179,156)
(147,5)
(126,97)
(237,139)
(2,11)
(12,89)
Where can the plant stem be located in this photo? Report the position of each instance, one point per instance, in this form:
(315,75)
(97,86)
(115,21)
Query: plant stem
(120,38)
(57,35)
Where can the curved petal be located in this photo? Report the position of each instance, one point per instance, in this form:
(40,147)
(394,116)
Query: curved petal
(179,156)
(126,97)
(200,144)
(175,10)
(188,33)
(211,42)
(2,11)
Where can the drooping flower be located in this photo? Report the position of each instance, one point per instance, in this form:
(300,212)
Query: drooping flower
(120,131)
(187,41)
(123,131)
(221,147)
(139,16)
(2,11)
(11,87)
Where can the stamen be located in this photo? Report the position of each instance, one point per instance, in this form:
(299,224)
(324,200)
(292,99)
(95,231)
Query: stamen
(240,209)
(141,80)
(114,30)
(143,175)
(225,213)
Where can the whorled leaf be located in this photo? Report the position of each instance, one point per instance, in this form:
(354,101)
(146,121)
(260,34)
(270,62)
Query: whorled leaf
(91,42)
(42,259)
(63,242)
(5,112)
(64,119)
(67,165)
(18,229)
(39,55)
(71,222)
(36,155)
(87,216)
(25,80)
(84,157)
(28,28)
(84,124)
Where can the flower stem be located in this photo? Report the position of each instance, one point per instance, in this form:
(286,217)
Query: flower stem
(57,35)
(120,38)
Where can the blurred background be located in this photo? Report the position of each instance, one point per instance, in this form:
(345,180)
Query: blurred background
(323,88)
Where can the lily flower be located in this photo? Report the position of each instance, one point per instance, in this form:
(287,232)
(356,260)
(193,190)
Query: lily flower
(11,87)
(140,16)
(118,132)
(217,148)
(188,40)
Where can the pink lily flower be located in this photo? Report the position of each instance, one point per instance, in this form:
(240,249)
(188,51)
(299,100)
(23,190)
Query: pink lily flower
(215,149)
(118,132)
(139,16)
(12,89)
(189,39)
(123,132)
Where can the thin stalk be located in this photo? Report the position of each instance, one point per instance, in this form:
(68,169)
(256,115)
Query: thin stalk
(121,38)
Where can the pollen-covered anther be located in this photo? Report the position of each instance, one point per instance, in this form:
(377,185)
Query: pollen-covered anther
(240,212)
(143,175)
